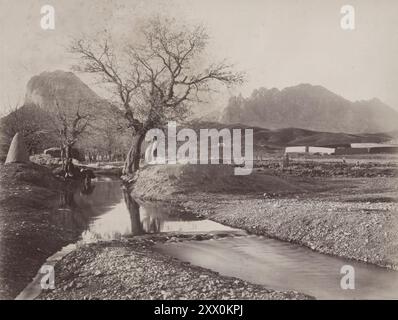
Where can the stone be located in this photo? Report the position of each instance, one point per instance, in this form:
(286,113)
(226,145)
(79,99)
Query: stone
(18,151)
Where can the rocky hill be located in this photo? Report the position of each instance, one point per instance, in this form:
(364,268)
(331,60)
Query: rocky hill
(64,87)
(43,92)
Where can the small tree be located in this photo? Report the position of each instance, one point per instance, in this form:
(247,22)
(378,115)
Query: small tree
(70,122)
(157,78)
(107,135)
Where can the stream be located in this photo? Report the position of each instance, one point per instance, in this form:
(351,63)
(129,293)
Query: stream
(107,212)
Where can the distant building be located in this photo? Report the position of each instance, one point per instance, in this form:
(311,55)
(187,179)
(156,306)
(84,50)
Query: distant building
(373,145)
(309,149)
(323,150)
(364,148)
(346,149)
(296,149)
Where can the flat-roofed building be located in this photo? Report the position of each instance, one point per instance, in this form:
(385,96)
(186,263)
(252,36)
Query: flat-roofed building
(309,149)
(363,148)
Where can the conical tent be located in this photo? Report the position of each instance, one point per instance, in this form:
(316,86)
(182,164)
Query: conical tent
(17,151)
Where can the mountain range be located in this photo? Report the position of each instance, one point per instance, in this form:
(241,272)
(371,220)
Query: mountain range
(309,107)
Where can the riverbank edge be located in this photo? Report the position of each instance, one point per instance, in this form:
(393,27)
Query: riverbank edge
(300,231)
(29,199)
(368,238)
(131,269)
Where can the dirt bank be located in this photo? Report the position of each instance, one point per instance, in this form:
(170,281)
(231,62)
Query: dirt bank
(129,269)
(29,228)
(165,182)
(355,218)
(54,163)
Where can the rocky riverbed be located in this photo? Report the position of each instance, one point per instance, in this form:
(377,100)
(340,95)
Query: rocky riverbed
(354,230)
(354,218)
(130,269)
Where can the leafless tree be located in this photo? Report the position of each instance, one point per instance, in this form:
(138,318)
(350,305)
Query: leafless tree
(70,122)
(157,78)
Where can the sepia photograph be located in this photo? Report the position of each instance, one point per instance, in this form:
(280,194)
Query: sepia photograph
(215,150)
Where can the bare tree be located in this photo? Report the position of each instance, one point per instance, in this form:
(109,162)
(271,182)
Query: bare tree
(155,79)
(70,122)
(111,136)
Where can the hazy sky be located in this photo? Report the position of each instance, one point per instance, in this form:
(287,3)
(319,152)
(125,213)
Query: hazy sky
(278,43)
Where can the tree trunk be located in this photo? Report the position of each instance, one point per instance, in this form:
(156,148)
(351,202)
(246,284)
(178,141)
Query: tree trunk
(68,151)
(132,162)
(63,157)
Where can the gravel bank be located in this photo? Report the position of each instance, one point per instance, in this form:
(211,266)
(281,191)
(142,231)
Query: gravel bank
(355,230)
(354,218)
(129,269)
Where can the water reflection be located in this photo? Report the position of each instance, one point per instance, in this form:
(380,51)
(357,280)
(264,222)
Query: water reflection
(285,266)
(134,211)
(107,212)
(78,206)
(87,189)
